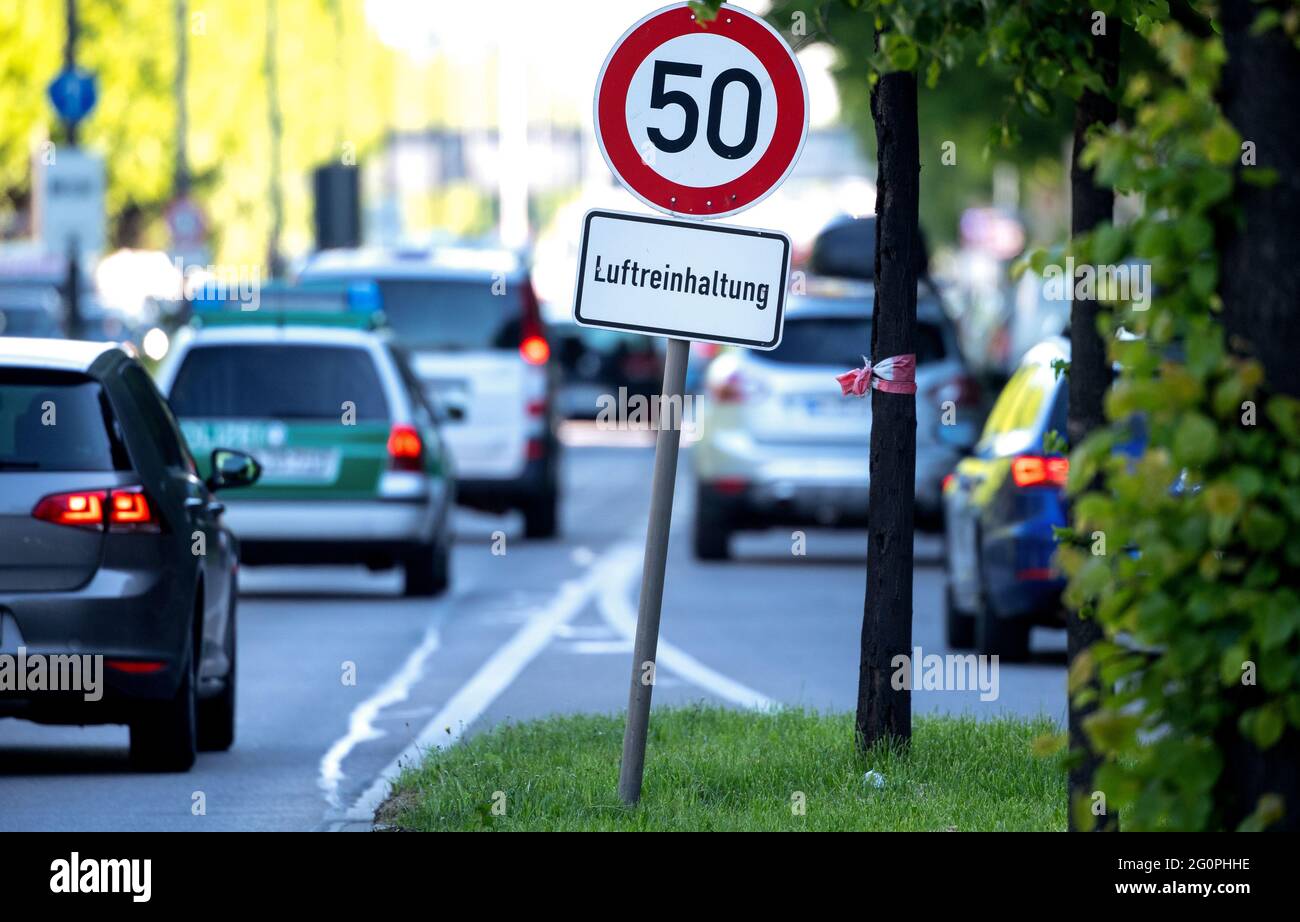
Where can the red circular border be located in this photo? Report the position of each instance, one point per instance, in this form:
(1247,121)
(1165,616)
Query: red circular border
(622,155)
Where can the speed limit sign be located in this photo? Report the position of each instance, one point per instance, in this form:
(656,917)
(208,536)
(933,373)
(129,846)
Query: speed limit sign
(702,119)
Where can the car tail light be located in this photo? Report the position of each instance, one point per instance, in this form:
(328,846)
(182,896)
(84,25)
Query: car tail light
(129,510)
(535,450)
(535,350)
(730,486)
(405,450)
(734,388)
(135,666)
(84,509)
(947,481)
(533,347)
(1036,574)
(1037,471)
(961,389)
(126,510)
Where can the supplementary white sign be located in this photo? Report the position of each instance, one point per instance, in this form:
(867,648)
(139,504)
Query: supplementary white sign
(70,202)
(682,279)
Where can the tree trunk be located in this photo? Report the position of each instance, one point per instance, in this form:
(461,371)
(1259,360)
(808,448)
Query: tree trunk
(1260,287)
(1260,271)
(1089,377)
(884,711)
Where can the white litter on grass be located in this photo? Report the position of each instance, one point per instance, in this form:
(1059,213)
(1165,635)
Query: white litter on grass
(874,778)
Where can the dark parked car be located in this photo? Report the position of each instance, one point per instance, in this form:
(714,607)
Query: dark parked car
(1000,507)
(596,363)
(113,546)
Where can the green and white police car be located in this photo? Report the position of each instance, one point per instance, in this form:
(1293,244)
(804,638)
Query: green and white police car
(354,466)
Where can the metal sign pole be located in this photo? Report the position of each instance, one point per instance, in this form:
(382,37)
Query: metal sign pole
(652,572)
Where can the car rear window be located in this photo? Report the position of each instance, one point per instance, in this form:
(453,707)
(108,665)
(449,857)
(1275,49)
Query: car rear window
(38,324)
(1020,405)
(53,421)
(841,342)
(454,314)
(278,381)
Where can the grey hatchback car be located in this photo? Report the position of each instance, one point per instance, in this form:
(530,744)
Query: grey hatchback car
(112,550)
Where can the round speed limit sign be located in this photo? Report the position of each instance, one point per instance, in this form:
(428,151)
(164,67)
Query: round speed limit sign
(701,118)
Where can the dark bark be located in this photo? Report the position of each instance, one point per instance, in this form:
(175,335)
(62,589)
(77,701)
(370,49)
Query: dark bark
(1260,287)
(1090,375)
(1260,269)
(883,711)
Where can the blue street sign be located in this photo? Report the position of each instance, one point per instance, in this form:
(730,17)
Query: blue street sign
(73,94)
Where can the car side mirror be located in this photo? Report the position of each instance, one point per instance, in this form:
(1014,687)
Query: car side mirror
(232,468)
(445,409)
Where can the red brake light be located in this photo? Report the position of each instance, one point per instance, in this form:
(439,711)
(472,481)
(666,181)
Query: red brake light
(961,389)
(947,480)
(135,667)
(1035,471)
(533,347)
(734,388)
(730,486)
(405,450)
(535,350)
(84,509)
(127,509)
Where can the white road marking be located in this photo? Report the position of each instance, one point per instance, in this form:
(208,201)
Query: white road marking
(617,610)
(600,631)
(596,647)
(500,670)
(361,723)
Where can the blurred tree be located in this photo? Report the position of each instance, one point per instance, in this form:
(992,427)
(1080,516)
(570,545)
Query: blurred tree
(131,48)
(964,104)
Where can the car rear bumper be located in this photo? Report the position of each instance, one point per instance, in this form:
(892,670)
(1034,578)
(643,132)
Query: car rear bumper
(492,495)
(809,483)
(285,521)
(123,616)
(1020,578)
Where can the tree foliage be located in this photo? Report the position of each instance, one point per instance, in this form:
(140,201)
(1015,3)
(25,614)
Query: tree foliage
(1198,594)
(130,45)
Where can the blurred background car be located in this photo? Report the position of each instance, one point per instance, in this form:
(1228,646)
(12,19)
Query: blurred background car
(1000,507)
(30,311)
(472,325)
(100,503)
(354,465)
(779,443)
(595,362)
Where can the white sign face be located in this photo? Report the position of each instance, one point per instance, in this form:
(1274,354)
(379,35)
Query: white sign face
(70,203)
(701,119)
(682,279)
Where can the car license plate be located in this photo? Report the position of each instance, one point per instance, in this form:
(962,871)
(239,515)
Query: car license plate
(829,405)
(298,465)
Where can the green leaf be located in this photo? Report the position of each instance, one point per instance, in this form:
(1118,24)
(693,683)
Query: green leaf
(1195,440)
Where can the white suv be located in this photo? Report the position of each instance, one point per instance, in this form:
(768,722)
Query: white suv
(471,324)
(781,446)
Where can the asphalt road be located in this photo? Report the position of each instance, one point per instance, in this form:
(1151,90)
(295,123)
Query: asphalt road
(543,627)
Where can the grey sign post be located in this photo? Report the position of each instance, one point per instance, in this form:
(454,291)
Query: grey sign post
(674,278)
(652,572)
(679,277)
